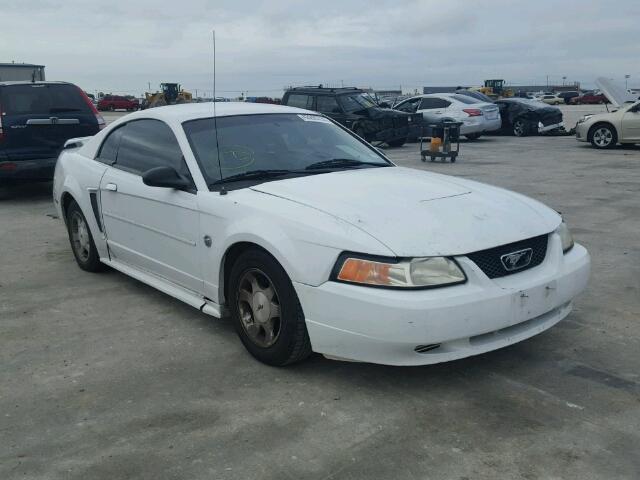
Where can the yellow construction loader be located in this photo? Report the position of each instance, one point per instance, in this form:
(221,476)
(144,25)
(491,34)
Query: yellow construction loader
(169,94)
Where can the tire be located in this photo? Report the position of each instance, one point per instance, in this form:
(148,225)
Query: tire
(398,142)
(473,136)
(265,309)
(520,128)
(82,244)
(603,136)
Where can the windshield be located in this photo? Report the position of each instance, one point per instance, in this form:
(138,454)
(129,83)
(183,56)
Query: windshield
(254,143)
(353,103)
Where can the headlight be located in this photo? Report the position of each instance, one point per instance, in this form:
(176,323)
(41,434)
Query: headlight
(585,118)
(565,236)
(392,273)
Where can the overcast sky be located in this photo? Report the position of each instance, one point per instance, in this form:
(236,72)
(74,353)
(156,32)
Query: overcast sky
(121,45)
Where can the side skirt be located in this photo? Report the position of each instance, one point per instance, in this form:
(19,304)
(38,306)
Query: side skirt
(187,296)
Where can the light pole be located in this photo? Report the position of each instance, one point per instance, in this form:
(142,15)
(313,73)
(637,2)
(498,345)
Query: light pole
(626,80)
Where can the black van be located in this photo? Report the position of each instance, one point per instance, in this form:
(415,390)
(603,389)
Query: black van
(36,118)
(356,110)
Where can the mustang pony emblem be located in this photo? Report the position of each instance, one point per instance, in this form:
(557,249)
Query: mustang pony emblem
(516,260)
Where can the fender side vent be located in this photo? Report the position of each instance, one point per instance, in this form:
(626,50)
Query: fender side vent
(426,348)
(94,206)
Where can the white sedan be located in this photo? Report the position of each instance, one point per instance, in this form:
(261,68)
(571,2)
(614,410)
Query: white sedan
(606,130)
(477,117)
(310,239)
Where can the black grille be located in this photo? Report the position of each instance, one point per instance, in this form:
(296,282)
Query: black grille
(490,263)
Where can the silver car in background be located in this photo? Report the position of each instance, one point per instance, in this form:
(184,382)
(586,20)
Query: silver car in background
(477,117)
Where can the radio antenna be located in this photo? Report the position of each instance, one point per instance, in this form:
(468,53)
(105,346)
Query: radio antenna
(223,191)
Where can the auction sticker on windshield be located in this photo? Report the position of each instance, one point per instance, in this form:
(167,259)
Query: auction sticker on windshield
(313,118)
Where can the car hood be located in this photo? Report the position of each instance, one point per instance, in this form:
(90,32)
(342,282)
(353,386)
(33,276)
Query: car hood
(418,213)
(615,92)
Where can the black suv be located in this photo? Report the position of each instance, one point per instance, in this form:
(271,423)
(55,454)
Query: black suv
(36,119)
(356,110)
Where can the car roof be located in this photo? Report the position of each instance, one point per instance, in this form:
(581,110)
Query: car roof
(193,111)
(336,91)
(27,82)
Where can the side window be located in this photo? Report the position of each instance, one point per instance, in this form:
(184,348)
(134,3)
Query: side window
(147,144)
(327,104)
(109,149)
(409,106)
(300,101)
(430,103)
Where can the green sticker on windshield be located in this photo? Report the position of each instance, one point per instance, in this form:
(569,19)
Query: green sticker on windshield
(313,118)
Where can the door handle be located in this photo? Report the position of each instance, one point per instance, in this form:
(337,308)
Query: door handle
(111,187)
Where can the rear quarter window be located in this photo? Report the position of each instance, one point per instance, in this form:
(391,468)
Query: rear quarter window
(300,101)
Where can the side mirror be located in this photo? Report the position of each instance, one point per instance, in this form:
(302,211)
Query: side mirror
(166,177)
(384,105)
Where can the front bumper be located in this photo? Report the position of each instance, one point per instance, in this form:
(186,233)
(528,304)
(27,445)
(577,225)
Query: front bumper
(582,131)
(27,170)
(386,326)
(548,128)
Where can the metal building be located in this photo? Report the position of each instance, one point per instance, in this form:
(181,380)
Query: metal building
(21,71)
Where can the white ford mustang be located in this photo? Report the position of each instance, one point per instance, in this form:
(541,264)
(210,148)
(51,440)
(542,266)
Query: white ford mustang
(311,239)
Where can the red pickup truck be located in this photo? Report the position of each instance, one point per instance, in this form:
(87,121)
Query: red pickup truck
(115,102)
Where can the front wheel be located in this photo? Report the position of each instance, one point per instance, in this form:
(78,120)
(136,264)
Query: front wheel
(473,136)
(266,311)
(603,136)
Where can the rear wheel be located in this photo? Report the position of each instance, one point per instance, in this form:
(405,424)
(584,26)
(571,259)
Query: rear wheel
(82,244)
(266,311)
(603,136)
(520,128)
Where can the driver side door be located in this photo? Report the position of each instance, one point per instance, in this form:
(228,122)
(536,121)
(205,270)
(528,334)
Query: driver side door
(631,124)
(154,229)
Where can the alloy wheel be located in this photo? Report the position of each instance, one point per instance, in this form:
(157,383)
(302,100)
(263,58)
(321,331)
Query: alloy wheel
(518,128)
(259,308)
(80,236)
(602,137)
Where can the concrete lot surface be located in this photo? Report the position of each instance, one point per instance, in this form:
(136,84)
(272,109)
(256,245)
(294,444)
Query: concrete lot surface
(105,378)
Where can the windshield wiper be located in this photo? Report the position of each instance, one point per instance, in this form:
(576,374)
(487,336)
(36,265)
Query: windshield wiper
(344,163)
(256,175)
